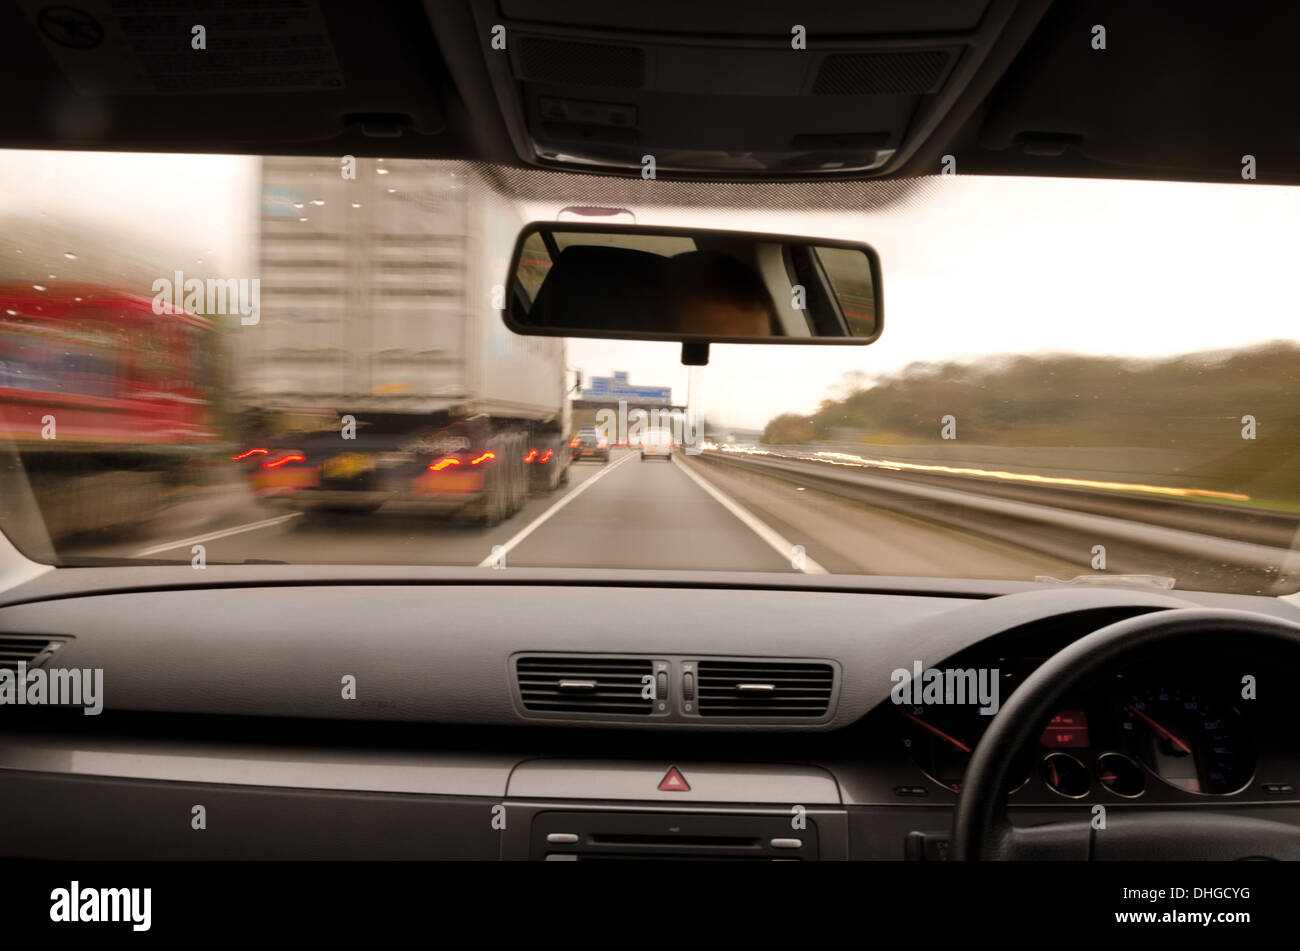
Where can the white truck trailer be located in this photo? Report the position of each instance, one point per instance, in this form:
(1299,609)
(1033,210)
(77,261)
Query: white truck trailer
(379,370)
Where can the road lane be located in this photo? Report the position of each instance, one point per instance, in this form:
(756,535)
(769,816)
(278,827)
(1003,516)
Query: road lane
(798,554)
(648,514)
(172,546)
(633,514)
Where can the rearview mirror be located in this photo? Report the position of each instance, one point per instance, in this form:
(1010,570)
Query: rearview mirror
(572,279)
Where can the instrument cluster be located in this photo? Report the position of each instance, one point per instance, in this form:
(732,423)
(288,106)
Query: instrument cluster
(1144,732)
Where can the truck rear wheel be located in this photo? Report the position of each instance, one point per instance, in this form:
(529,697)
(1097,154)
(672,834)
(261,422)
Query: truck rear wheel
(516,446)
(495,501)
(503,481)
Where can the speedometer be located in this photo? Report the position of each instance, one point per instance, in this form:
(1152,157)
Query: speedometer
(1194,744)
(941,741)
(941,738)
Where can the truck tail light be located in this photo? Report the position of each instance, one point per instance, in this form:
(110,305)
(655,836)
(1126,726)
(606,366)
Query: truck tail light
(284,460)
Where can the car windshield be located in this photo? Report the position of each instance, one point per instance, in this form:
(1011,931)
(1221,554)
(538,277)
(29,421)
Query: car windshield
(223,359)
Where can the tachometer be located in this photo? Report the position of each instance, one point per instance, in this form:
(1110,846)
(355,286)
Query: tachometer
(1189,742)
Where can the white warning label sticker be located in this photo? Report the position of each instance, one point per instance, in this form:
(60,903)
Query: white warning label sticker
(188,47)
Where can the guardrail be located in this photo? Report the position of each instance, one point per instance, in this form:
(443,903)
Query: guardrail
(1064,523)
(1201,514)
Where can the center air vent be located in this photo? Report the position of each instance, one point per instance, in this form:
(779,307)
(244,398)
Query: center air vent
(31,650)
(597,686)
(778,689)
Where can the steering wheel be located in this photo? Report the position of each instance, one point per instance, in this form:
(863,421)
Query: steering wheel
(981,827)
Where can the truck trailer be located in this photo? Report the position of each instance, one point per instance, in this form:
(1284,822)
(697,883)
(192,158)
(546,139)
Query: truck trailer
(379,373)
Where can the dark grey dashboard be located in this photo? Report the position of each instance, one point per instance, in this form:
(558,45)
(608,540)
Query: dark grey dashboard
(236,692)
(442,653)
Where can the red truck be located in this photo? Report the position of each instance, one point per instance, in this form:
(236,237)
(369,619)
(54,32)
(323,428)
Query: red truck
(107,403)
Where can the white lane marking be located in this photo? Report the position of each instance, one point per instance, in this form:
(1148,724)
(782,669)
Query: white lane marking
(752,521)
(197,539)
(537,523)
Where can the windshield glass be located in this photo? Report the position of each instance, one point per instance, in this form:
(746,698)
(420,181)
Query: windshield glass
(219,359)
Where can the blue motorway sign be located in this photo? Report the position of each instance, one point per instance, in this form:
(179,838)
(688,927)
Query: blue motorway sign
(617,388)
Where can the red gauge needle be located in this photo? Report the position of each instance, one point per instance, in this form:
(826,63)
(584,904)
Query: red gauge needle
(939,733)
(1161,730)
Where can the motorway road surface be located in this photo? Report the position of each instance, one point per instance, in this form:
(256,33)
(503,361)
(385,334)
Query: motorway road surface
(682,515)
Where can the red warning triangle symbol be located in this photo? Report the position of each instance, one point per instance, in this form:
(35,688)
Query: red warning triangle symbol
(674,781)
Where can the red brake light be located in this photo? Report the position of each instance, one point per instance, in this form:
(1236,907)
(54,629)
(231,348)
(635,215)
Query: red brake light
(251,452)
(291,457)
(574,442)
(483,458)
(443,464)
(546,456)
(532,456)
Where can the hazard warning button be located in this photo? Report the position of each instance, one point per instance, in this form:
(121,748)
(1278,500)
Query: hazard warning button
(674,781)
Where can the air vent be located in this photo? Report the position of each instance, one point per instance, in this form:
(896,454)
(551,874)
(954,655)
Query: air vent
(880,74)
(590,685)
(32,650)
(764,689)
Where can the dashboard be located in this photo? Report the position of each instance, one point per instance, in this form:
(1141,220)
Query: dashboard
(230,695)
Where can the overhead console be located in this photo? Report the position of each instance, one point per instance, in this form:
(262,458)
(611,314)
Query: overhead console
(754,90)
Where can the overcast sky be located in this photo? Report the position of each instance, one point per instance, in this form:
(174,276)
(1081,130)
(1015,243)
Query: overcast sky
(994,266)
(984,266)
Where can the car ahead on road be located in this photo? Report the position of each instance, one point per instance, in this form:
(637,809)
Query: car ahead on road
(591,446)
(657,444)
(1015,578)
